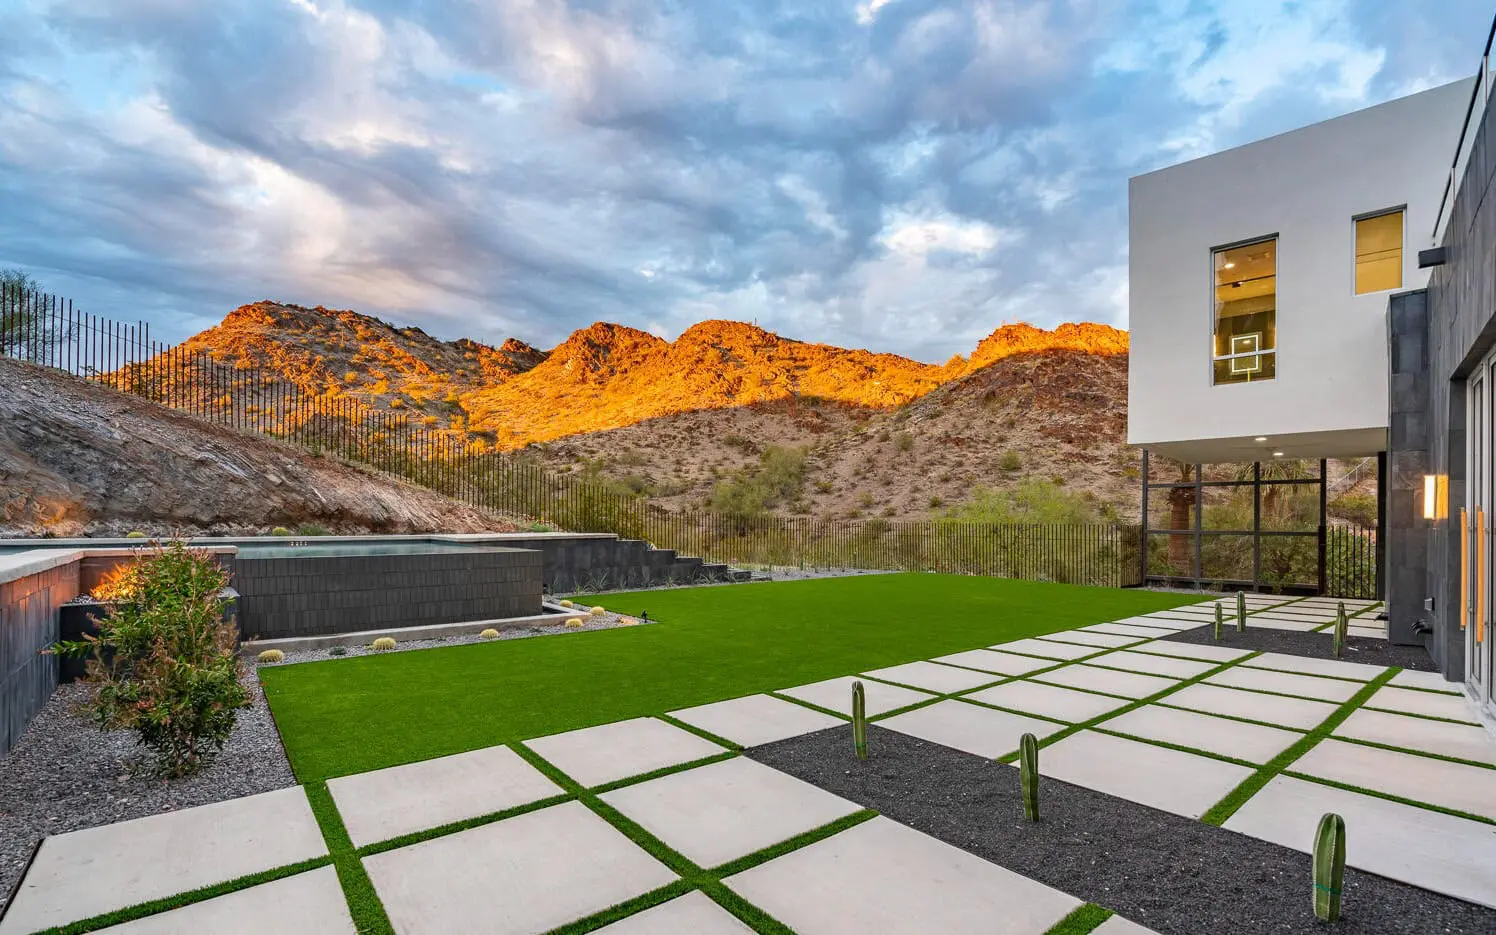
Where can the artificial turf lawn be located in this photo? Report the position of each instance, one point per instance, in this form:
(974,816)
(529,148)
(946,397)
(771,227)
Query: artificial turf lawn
(350,715)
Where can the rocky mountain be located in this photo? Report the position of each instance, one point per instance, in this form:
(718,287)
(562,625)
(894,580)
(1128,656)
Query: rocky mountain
(77,458)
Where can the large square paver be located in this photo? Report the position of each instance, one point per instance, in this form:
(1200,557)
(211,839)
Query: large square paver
(1048,649)
(1002,663)
(1161,778)
(596,755)
(1401,842)
(1128,629)
(1111,681)
(90,872)
(1172,667)
(692,914)
(934,677)
(310,903)
(388,803)
(756,719)
(1203,652)
(1117,925)
(1466,741)
(723,811)
(1222,736)
(1286,683)
(972,728)
(1306,665)
(1408,775)
(1291,624)
(1169,624)
(1301,713)
(1430,681)
(883,877)
(518,876)
(1430,704)
(1087,638)
(836,695)
(1062,704)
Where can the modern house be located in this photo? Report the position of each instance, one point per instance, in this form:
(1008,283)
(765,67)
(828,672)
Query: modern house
(1330,293)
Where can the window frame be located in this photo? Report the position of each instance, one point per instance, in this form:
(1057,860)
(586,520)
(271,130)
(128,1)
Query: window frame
(1402,247)
(1210,273)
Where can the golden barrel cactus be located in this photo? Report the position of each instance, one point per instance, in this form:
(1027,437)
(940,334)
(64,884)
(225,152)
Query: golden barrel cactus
(383,643)
(271,656)
(489,634)
(574,622)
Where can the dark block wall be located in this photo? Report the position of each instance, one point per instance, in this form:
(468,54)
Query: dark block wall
(599,564)
(1406,531)
(28,624)
(314,596)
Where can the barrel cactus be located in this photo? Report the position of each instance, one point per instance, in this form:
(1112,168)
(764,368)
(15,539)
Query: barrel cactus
(280,531)
(859,720)
(574,622)
(1028,775)
(597,610)
(134,534)
(489,634)
(567,604)
(627,622)
(1329,866)
(271,656)
(383,644)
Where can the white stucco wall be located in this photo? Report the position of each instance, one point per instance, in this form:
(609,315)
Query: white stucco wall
(1305,186)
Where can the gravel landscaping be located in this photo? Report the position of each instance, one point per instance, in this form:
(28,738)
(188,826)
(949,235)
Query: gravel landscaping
(65,775)
(1366,649)
(1171,874)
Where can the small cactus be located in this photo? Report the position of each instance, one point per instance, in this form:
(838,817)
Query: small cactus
(280,531)
(1241,611)
(574,623)
(597,610)
(271,656)
(1028,775)
(627,622)
(1329,866)
(134,534)
(338,651)
(383,643)
(489,634)
(567,604)
(1338,641)
(859,720)
(1220,617)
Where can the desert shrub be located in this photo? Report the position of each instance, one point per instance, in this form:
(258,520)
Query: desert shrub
(823,486)
(311,529)
(1358,508)
(338,651)
(866,500)
(752,491)
(936,503)
(1010,461)
(164,663)
(383,644)
(904,441)
(1030,501)
(271,656)
(538,527)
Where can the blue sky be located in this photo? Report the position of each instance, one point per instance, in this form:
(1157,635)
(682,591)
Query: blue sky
(904,175)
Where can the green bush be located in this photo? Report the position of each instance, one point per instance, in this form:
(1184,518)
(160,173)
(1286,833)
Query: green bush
(1358,508)
(1010,461)
(751,492)
(311,529)
(904,441)
(165,664)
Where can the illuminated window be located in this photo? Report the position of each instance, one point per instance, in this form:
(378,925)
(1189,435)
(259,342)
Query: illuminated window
(1246,304)
(1379,258)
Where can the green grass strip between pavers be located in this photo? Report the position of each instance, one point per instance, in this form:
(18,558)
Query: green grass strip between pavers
(1390,797)
(364,904)
(1219,813)
(157,906)
(1085,919)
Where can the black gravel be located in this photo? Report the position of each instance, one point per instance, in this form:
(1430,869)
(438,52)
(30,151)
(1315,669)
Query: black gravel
(1367,649)
(64,774)
(1172,874)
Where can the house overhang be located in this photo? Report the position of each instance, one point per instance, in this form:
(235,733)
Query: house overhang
(1337,443)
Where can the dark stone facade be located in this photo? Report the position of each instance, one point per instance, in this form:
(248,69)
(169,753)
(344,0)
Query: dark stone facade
(1407,461)
(316,595)
(28,624)
(599,563)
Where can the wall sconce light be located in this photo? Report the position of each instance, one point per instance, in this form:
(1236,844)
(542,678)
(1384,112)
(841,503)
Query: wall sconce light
(1430,495)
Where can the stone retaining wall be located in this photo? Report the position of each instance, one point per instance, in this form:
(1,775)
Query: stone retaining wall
(28,624)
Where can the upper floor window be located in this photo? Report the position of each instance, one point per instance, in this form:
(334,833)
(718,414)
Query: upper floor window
(1379,252)
(1246,305)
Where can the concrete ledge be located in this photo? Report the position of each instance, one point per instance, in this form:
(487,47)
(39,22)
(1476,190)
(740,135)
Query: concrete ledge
(433,631)
(19,565)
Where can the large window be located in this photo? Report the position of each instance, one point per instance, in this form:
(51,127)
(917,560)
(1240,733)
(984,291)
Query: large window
(1379,252)
(1246,304)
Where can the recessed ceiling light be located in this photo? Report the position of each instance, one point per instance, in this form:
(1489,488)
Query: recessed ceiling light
(1260,438)
(1277,454)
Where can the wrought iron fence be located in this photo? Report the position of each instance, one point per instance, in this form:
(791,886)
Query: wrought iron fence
(45,330)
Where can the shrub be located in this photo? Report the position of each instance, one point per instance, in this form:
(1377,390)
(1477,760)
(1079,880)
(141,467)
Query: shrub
(338,651)
(597,610)
(936,503)
(280,531)
(134,534)
(574,622)
(866,500)
(383,644)
(1358,508)
(538,527)
(311,529)
(904,441)
(164,664)
(1010,461)
(270,656)
(489,634)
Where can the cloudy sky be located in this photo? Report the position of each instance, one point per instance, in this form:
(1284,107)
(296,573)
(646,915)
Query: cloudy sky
(898,174)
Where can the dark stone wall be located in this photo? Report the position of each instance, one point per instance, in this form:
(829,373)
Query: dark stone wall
(1461,299)
(28,624)
(605,564)
(314,596)
(1405,579)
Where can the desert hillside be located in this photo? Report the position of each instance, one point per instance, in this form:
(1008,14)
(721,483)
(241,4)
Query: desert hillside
(80,459)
